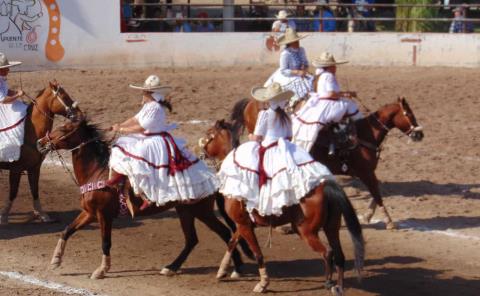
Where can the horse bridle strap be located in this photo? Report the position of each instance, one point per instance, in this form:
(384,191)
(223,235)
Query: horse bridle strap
(92,186)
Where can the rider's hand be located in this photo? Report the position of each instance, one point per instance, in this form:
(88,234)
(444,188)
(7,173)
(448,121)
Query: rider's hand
(353,94)
(115,127)
(20,93)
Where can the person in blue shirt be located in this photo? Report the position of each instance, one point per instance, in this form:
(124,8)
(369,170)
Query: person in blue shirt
(327,25)
(365,11)
(204,25)
(181,25)
(459,24)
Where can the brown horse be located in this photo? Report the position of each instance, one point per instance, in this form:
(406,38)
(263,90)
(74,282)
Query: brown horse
(362,159)
(51,101)
(90,156)
(322,208)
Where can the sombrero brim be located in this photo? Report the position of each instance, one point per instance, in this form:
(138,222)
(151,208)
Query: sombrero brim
(285,42)
(11,64)
(327,64)
(258,93)
(159,89)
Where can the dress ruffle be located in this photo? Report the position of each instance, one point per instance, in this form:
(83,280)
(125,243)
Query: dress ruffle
(291,175)
(145,161)
(12,130)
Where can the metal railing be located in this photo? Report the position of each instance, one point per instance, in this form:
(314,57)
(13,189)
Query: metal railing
(349,8)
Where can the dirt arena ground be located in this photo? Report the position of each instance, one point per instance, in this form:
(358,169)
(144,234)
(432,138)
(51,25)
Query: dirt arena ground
(432,189)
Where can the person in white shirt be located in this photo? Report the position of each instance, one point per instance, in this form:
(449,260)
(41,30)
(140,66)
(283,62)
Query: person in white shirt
(282,22)
(12,115)
(157,164)
(269,172)
(326,104)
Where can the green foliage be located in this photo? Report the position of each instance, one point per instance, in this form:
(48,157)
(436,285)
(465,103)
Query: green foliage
(415,12)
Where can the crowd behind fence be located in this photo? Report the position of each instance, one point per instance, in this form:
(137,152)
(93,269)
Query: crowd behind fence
(355,16)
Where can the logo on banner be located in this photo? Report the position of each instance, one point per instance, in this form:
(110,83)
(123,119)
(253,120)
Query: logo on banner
(20,22)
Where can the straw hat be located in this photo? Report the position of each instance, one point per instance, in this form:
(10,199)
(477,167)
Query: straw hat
(4,63)
(152,83)
(282,15)
(273,92)
(290,36)
(326,59)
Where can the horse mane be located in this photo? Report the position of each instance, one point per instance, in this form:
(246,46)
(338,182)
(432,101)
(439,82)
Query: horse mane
(238,120)
(100,146)
(223,124)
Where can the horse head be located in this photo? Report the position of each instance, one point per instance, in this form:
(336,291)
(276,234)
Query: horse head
(401,116)
(218,141)
(67,136)
(57,101)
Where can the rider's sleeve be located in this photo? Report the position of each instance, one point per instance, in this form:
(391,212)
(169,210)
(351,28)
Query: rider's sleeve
(150,118)
(284,58)
(3,91)
(304,57)
(261,125)
(329,82)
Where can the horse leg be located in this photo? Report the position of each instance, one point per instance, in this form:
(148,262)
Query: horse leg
(82,219)
(33,177)
(106,222)
(311,237)
(224,264)
(243,244)
(14,180)
(187,221)
(332,231)
(207,216)
(373,186)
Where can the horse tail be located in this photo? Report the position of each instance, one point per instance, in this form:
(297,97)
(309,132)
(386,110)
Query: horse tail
(237,118)
(335,192)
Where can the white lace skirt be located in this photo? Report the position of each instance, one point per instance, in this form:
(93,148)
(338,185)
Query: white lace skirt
(12,131)
(145,160)
(300,86)
(291,174)
(314,115)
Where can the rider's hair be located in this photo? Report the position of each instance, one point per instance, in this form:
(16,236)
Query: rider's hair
(283,117)
(166,104)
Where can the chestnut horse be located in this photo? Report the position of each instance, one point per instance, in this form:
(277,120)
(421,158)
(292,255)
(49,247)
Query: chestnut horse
(363,158)
(51,101)
(90,156)
(322,208)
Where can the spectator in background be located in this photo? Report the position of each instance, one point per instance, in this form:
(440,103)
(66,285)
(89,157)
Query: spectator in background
(180,24)
(282,22)
(324,11)
(459,24)
(364,11)
(204,25)
(303,25)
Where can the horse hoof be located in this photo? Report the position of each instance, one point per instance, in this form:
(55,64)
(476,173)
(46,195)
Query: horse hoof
(167,272)
(260,288)
(337,291)
(43,217)
(285,229)
(235,275)
(221,274)
(329,284)
(390,226)
(56,262)
(98,274)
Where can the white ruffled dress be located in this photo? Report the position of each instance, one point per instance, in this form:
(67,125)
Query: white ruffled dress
(319,111)
(159,165)
(12,123)
(288,171)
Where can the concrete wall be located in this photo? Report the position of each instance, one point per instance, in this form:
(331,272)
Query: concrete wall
(86,33)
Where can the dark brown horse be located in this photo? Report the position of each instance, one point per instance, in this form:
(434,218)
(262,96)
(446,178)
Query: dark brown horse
(90,156)
(51,101)
(363,158)
(322,208)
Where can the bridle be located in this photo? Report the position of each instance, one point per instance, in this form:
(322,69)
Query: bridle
(211,161)
(68,109)
(413,128)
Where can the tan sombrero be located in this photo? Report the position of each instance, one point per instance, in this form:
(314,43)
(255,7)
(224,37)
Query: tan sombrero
(326,59)
(282,15)
(290,36)
(4,63)
(273,92)
(152,83)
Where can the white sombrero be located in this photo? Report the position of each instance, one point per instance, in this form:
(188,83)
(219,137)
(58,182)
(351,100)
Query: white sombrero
(273,92)
(326,59)
(152,83)
(282,15)
(4,63)
(290,36)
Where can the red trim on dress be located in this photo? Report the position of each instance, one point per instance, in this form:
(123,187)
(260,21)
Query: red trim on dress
(13,126)
(177,162)
(308,122)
